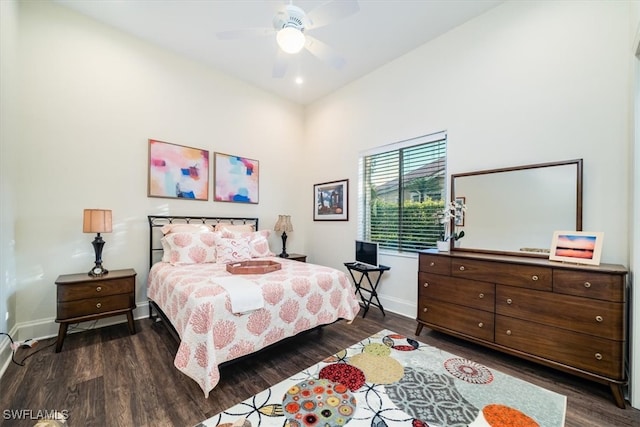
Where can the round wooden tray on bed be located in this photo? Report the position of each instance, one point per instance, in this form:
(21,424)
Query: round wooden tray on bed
(253,267)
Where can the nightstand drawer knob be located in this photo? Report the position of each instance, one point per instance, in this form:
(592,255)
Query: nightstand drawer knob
(534,278)
(509,300)
(99,288)
(431,264)
(599,319)
(587,284)
(598,356)
(462,268)
(98,305)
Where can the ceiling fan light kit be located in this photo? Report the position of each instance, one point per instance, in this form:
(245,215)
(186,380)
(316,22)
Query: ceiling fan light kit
(291,40)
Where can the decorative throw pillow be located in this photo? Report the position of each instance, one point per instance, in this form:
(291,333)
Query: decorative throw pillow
(232,250)
(190,248)
(236,228)
(259,247)
(186,228)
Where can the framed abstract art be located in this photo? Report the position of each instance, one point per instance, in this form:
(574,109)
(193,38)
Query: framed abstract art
(177,171)
(236,179)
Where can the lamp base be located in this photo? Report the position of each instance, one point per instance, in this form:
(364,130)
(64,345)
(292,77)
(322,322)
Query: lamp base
(284,253)
(98,271)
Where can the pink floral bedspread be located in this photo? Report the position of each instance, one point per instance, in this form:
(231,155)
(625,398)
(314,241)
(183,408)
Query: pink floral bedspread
(298,297)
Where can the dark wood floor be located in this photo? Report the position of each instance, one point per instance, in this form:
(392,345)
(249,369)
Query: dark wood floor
(106,377)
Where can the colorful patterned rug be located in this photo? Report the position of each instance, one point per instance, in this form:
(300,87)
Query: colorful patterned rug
(392,380)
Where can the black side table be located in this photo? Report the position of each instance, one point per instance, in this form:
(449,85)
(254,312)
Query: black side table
(364,271)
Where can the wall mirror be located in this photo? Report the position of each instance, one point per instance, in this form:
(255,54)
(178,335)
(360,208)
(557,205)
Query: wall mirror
(517,209)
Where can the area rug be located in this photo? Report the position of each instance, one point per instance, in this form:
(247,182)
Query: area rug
(392,380)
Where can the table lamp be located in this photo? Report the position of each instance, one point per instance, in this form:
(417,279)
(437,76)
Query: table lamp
(284,224)
(97,221)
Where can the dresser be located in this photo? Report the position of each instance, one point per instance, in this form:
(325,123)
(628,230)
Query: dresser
(566,316)
(81,297)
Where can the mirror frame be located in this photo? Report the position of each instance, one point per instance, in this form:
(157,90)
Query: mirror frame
(576,162)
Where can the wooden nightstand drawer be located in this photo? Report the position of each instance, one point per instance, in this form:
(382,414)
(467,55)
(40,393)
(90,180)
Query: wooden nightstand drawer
(94,306)
(84,290)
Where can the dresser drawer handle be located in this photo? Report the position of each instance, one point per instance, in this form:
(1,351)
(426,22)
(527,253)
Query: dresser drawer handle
(598,356)
(481,296)
(462,268)
(509,301)
(426,284)
(431,264)
(534,278)
(99,288)
(425,309)
(480,325)
(599,319)
(587,285)
(98,305)
(508,331)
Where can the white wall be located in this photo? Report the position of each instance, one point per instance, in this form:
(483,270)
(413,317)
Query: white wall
(527,82)
(90,97)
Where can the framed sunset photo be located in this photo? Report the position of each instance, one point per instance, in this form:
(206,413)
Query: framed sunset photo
(580,247)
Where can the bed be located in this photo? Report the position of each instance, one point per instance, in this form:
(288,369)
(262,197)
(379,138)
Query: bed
(218,316)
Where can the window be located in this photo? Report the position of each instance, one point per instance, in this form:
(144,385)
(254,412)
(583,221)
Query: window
(402,188)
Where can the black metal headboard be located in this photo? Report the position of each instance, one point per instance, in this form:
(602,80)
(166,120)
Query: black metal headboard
(156,222)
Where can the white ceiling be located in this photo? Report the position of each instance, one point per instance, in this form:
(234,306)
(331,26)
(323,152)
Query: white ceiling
(377,33)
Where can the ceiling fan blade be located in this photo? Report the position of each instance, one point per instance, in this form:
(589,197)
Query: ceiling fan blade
(243,33)
(280,65)
(323,52)
(331,11)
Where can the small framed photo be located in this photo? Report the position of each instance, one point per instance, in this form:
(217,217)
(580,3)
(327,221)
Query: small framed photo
(580,247)
(460,208)
(176,171)
(331,201)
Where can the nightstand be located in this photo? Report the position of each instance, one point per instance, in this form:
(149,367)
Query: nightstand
(81,297)
(298,257)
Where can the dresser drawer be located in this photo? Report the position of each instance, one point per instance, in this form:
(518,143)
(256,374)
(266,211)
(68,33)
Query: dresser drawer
(467,321)
(77,291)
(594,317)
(93,306)
(434,264)
(527,276)
(602,286)
(592,354)
(479,295)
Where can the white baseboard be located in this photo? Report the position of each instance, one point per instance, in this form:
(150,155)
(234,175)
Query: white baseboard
(48,328)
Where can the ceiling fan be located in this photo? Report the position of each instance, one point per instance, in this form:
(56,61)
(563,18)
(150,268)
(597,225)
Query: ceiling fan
(291,25)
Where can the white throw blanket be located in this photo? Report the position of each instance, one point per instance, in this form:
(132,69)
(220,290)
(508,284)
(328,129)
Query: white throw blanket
(245,295)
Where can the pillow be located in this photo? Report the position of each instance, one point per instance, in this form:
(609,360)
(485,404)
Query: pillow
(259,247)
(186,228)
(234,228)
(189,248)
(232,250)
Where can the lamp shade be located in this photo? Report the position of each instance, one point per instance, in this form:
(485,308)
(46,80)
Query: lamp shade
(290,39)
(284,224)
(96,221)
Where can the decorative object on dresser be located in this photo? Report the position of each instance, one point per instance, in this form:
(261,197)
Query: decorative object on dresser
(97,221)
(581,247)
(284,225)
(567,316)
(81,298)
